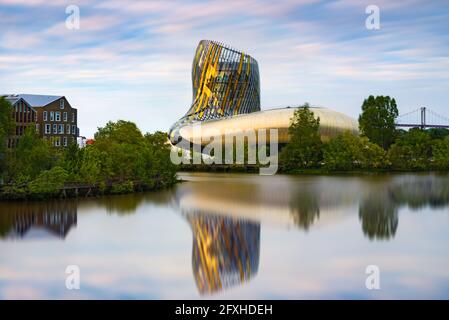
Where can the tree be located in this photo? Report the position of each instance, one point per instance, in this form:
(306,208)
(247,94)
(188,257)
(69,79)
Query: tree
(377,121)
(348,152)
(440,151)
(6,128)
(71,160)
(92,169)
(438,133)
(157,155)
(121,154)
(31,156)
(120,132)
(304,148)
(412,151)
(49,182)
(123,143)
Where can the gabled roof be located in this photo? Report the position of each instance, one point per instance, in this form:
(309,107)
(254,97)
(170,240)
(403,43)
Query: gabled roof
(11,98)
(14,98)
(38,100)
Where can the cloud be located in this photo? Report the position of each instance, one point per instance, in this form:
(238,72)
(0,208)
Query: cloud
(316,51)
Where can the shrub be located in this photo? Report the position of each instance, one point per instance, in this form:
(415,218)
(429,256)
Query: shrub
(124,187)
(49,182)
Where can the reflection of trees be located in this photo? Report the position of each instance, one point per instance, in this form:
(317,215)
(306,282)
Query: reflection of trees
(420,191)
(121,204)
(128,203)
(55,217)
(305,209)
(225,251)
(379,211)
(379,218)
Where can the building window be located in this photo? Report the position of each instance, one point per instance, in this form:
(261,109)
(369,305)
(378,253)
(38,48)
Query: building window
(47,129)
(68,129)
(52,116)
(57,141)
(61,103)
(73,116)
(61,129)
(45,115)
(64,141)
(57,116)
(64,116)
(73,129)
(55,129)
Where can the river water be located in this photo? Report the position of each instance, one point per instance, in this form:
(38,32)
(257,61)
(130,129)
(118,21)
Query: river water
(235,236)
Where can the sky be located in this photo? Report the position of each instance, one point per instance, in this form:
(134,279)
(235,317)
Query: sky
(132,60)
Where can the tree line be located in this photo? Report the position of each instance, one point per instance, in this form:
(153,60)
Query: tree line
(380,146)
(121,160)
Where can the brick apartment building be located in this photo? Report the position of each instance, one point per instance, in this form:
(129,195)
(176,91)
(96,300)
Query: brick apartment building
(55,119)
(24,116)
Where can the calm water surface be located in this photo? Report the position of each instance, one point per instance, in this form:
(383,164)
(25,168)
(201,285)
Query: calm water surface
(235,236)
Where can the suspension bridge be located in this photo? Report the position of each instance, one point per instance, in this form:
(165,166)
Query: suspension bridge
(422,118)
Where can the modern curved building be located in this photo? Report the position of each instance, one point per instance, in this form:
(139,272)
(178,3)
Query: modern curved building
(226,100)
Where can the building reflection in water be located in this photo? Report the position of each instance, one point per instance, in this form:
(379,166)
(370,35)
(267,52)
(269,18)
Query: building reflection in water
(306,202)
(225,215)
(225,251)
(39,219)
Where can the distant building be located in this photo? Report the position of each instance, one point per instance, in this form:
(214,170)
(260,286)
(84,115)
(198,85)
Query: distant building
(24,116)
(81,141)
(56,120)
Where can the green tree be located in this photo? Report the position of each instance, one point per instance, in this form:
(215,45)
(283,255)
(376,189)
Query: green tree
(6,128)
(32,156)
(440,151)
(119,132)
(121,154)
(304,148)
(157,158)
(71,161)
(438,133)
(412,151)
(49,182)
(377,121)
(93,166)
(348,152)
(123,143)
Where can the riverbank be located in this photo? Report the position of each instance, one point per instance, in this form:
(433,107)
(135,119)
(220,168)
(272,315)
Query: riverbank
(312,171)
(80,190)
